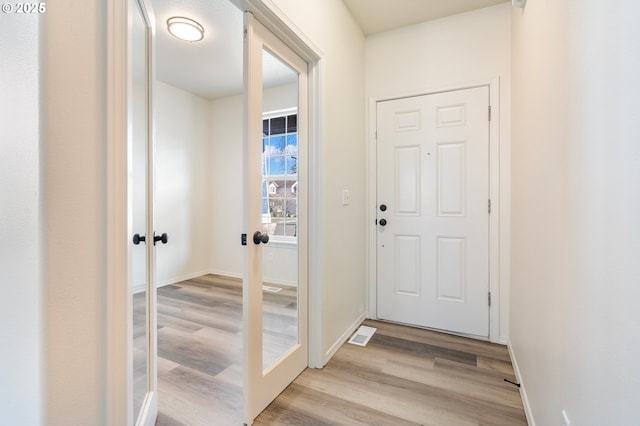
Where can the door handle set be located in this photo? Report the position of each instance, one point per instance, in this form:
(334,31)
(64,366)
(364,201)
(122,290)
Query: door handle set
(137,238)
(259,237)
(382,222)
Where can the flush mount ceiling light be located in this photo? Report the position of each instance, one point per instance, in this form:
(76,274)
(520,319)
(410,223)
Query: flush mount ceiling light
(185,29)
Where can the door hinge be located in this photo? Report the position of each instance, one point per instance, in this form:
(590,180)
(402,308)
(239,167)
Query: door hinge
(489,299)
(489,112)
(489,206)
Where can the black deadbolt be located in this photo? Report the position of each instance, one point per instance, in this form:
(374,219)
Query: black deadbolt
(383,207)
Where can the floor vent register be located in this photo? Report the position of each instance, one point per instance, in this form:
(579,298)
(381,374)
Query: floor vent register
(362,336)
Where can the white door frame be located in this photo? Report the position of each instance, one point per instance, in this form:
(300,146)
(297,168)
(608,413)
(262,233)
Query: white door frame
(118,248)
(119,389)
(494,192)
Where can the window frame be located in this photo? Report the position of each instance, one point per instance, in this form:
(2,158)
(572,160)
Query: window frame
(286,177)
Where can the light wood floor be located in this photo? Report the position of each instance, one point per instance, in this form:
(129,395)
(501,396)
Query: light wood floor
(403,376)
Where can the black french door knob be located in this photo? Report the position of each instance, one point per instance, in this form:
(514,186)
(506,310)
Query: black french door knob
(137,239)
(383,222)
(259,237)
(164,238)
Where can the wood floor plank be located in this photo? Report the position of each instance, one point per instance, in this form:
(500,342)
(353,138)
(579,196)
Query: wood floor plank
(404,376)
(420,349)
(502,367)
(193,398)
(301,405)
(414,401)
(393,397)
(444,340)
(193,351)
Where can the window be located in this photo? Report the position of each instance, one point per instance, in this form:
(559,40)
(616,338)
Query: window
(280,175)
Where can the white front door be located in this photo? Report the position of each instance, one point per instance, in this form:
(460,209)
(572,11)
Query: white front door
(275,216)
(432,211)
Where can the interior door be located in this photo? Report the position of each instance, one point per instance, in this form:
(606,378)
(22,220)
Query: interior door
(432,211)
(143,346)
(275,333)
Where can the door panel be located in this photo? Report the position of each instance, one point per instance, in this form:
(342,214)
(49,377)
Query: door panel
(275,342)
(433,232)
(141,282)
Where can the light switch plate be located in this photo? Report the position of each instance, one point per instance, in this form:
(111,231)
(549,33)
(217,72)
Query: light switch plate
(346,197)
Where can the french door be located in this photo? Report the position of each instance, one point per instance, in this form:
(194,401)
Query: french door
(275,328)
(143,330)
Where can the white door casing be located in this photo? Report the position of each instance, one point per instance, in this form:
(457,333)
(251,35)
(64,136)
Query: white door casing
(433,178)
(262,386)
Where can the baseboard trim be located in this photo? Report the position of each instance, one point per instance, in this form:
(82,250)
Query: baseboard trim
(224,273)
(176,280)
(523,390)
(345,336)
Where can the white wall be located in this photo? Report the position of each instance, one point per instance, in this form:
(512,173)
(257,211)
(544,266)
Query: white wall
(448,52)
(21,356)
(575,322)
(226,190)
(74,211)
(183,205)
(341,261)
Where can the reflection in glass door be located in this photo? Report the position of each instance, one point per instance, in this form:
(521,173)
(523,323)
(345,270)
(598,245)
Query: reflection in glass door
(143,335)
(279,208)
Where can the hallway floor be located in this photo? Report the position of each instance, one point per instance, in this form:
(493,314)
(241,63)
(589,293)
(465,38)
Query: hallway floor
(403,376)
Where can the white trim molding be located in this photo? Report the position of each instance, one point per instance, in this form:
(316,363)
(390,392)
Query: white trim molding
(523,391)
(342,339)
(119,411)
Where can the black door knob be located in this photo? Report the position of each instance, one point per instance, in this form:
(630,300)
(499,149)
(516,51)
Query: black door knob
(164,238)
(259,237)
(383,207)
(383,222)
(137,239)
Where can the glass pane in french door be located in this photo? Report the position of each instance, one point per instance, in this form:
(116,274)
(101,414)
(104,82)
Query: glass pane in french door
(279,209)
(138,205)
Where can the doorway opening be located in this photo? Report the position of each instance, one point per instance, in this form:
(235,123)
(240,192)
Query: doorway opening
(196,170)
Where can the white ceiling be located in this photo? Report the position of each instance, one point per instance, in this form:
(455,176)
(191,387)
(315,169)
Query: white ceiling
(375,16)
(212,68)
